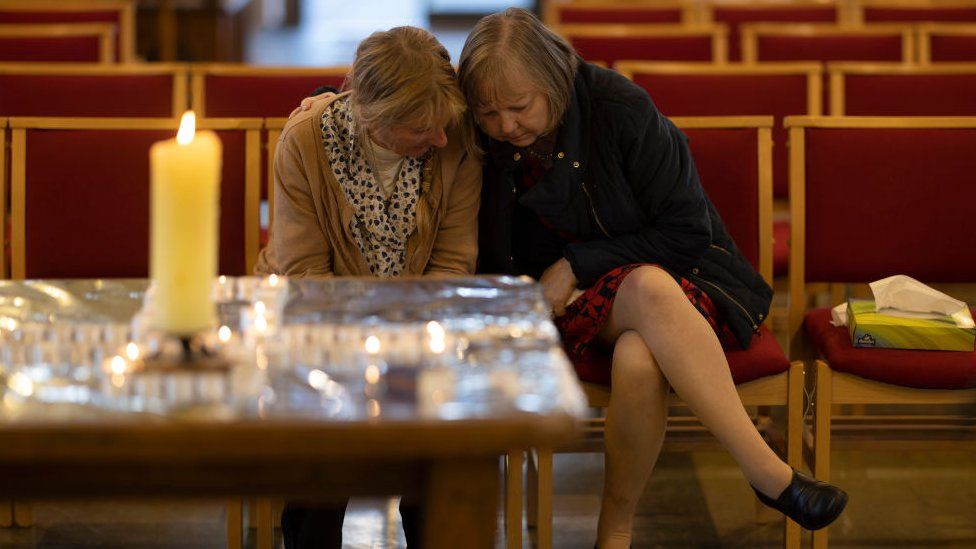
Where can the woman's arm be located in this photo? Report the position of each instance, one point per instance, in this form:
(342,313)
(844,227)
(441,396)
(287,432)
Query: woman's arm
(298,246)
(455,249)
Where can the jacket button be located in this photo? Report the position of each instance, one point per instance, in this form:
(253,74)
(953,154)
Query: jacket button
(760,316)
(694,270)
(517,157)
(576,164)
(560,154)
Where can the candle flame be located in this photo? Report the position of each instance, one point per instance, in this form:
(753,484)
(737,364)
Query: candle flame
(372,345)
(188,125)
(223,334)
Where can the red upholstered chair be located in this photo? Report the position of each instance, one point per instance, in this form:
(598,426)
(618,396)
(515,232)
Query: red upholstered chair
(763,42)
(229,90)
(736,13)
(556,12)
(611,43)
(120,14)
(940,43)
(873,197)
(734,158)
(49,89)
(80,195)
(74,43)
(945,89)
(778,89)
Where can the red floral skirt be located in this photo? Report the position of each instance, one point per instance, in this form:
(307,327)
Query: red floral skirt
(586,316)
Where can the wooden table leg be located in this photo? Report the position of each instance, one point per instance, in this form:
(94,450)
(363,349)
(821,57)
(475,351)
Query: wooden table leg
(235,519)
(461,503)
(265,524)
(6,513)
(23,513)
(513,499)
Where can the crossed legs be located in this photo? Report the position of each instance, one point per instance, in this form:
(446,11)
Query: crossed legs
(660,340)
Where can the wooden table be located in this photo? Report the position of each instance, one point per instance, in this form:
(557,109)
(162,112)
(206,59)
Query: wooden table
(385,446)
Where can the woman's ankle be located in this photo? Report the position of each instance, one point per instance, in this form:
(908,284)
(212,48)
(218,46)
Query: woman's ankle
(773,481)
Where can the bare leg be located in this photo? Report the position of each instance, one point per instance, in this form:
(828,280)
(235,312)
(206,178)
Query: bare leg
(650,302)
(636,421)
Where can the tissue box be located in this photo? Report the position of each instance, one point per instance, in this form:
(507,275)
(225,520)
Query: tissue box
(870,328)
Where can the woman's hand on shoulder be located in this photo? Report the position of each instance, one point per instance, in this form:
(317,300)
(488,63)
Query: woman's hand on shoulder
(558,283)
(307,104)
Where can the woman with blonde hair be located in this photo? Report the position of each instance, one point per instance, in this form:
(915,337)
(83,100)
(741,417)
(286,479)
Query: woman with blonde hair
(380,180)
(591,190)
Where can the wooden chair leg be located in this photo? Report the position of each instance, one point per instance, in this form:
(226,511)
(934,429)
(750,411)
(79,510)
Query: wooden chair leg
(23,514)
(252,513)
(265,524)
(6,514)
(513,499)
(544,499)
(821,443)
(531,490)
(794,440)
(235,523)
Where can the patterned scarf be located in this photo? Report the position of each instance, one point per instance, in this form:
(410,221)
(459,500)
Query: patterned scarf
(380,226)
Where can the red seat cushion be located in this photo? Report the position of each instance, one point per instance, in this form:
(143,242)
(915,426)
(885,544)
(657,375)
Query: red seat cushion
(953,47)
(781,247)
(919,369)
(109,94)
(907,94)
(261,96)
(637,14)
(851,47)
(734,16)
(763,358)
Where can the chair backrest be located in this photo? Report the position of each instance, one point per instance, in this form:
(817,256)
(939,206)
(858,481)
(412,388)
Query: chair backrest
(272,131)
(763,42)
(778,89)
(121,14)
(252,91)
(946,89)
(556,13)
(733,156)
(945,42)
(610,43)
(64,43)
(734,14)
(80,195)
(875,196)
(74,90)
(913,11)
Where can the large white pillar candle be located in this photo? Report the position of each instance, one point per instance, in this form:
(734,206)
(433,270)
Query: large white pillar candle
(185,196)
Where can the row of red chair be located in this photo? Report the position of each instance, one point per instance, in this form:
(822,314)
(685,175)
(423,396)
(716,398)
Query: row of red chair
(67,31)
(732,15)
(762,42)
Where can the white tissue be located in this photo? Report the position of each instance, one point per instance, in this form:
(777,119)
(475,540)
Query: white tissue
(904,296)
(838,315)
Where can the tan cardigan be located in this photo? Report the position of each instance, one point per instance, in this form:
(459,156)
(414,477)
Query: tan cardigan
(310,234)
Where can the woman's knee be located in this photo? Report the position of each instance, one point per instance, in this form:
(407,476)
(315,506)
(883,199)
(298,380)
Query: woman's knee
(649,286)
(634,366)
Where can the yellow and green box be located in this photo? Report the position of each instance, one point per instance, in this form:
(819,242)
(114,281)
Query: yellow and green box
(870,328)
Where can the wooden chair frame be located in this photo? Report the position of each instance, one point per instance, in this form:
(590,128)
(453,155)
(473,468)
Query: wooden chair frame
(785,389)
(838,387)
(125,8)
(178,71)
(19,127)
(104,32)
(838,71)
(751,32)
(927,30)
(3,256)
(716,32)
(690,12)
(199,73)
(811,69)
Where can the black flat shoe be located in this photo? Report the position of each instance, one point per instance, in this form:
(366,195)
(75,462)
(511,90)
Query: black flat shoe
(811,503)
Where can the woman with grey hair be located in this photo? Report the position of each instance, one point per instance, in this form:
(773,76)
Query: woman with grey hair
(380,180)
(591,190)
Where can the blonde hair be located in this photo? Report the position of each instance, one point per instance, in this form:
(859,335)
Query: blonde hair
(515,39)
(404,76)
